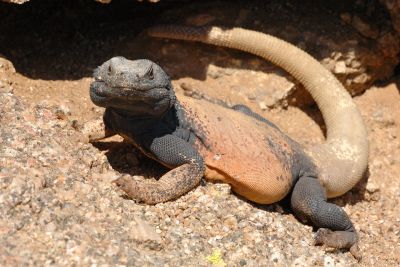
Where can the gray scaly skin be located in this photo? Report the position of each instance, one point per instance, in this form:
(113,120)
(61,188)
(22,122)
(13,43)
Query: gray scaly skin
(196,138)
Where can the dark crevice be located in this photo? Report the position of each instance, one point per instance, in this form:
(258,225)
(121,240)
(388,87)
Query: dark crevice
(57,39)
(397,71)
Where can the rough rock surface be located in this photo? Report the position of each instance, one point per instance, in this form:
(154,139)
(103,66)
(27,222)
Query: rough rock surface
(393,6)
(59,207)
(100,1)
(358,47)
(354,41)
(16,1)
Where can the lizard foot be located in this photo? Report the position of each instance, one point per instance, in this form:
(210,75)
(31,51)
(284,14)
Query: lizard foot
(131,187)
(339,240)
(96,131)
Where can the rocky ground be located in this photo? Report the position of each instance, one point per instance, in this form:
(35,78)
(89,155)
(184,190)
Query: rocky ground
(58,206)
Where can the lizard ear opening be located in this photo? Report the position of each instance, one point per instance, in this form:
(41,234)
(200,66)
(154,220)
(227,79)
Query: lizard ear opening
(150,73)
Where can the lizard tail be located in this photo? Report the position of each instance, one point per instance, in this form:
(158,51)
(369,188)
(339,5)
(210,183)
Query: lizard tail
(343,158)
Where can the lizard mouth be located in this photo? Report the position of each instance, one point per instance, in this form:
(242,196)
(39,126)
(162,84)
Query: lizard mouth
(98,91)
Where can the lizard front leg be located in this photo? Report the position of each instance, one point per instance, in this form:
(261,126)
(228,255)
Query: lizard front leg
(98,130)
(188,169)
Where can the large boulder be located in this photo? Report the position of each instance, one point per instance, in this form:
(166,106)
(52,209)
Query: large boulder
(393,7)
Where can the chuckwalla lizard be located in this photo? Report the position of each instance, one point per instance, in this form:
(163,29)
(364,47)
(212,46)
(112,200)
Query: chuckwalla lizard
(196,138)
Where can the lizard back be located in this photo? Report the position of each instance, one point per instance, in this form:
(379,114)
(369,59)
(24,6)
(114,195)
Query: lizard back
(254,158)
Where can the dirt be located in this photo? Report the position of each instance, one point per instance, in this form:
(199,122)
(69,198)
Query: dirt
(57,203)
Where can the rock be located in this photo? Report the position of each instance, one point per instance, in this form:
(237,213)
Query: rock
(340,67)
(143,233)
(100,1)
(372,188)
(364,28)
(329,262)
(231,222)
(393,7)
(357,48)
(16,1)
(62,112)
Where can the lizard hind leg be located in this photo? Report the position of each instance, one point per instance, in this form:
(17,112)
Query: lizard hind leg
(309,203)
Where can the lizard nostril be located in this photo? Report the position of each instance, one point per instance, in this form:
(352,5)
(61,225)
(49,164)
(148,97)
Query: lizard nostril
(114,67)
(115,71)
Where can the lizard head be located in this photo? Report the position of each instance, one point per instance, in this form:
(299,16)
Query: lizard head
(138,87)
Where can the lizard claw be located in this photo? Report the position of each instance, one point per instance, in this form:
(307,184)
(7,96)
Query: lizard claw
(137,188)
(120,181)
(338,240)
(129,186)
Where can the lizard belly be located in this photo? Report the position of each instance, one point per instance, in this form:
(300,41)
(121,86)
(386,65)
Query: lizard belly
(254,158)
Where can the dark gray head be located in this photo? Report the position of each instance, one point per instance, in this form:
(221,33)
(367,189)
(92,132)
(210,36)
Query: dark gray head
(137,87)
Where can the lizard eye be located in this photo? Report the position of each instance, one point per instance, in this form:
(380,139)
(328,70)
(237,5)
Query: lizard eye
(150,73)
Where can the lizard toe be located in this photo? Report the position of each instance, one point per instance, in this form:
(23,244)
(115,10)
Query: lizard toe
(127,184)
(339,240)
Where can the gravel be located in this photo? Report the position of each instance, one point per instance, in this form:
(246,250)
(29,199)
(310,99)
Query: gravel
(58,207)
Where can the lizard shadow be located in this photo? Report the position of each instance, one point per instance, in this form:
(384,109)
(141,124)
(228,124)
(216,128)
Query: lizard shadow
(395,79)
(126,159)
